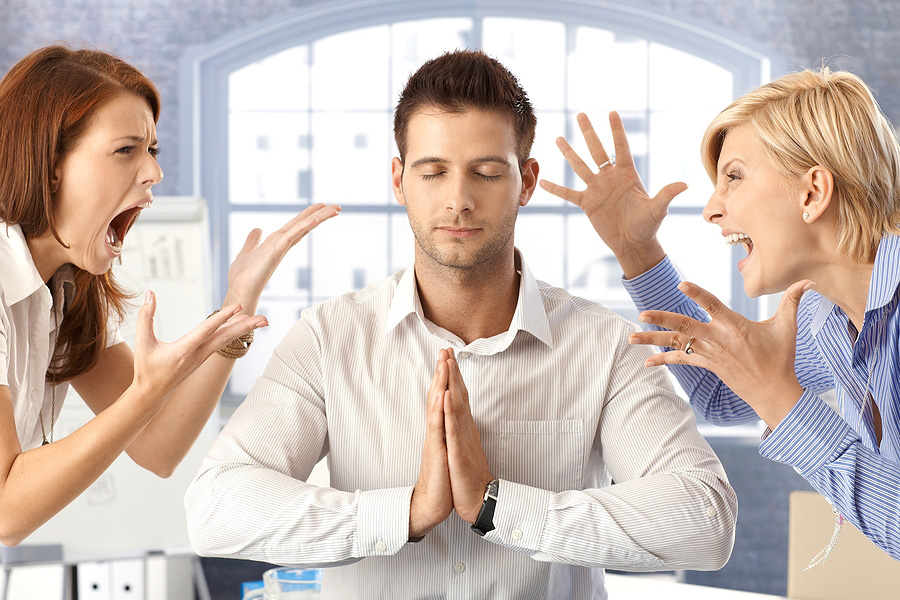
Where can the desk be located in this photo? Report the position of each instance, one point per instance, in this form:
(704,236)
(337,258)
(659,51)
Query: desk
(642,587)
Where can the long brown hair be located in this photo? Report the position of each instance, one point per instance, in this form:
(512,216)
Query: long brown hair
(47,103)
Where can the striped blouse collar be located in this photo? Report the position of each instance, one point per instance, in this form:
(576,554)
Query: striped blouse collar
(882,287)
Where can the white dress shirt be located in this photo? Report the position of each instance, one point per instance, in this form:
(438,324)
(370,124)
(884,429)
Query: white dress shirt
(563,404)
(27,332)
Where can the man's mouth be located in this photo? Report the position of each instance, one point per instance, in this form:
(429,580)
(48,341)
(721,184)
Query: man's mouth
(459,232)
(119,226)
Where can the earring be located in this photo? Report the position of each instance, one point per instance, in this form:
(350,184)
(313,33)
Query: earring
(805,216)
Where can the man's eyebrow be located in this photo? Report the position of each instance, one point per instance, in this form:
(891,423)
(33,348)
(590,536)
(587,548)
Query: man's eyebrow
(490,159)
(427,160)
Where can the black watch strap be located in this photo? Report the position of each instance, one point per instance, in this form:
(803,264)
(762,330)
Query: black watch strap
(485,520)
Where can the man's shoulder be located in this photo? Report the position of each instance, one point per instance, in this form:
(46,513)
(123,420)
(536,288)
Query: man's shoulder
(560,302)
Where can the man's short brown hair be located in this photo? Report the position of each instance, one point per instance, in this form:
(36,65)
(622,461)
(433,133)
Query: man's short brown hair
(461,80)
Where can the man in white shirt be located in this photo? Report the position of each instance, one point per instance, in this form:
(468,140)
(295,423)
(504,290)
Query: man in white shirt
(473,418)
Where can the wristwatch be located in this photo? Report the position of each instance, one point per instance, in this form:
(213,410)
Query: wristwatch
(485,520)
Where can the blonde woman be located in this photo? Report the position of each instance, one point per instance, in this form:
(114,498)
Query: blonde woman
(807,178)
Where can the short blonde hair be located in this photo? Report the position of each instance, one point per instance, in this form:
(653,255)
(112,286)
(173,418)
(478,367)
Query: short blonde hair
(820,117)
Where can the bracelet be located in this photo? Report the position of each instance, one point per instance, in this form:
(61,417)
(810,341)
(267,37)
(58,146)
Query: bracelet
(237,347)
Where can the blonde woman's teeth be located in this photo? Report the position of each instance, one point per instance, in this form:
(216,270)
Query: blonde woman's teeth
(736,238)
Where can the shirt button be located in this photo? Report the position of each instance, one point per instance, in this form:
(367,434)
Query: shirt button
(711,511)
(517,534)
(380,546)
(459,567)
(465,354)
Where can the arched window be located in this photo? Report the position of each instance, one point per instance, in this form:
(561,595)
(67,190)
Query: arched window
(299,110)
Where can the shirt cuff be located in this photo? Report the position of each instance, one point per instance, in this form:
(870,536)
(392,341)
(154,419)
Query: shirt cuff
(519,517)
(656,289)
(809,436)
(383,524)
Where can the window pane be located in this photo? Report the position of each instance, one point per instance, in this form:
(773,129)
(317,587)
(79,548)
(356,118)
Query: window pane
(607,72)
(351,158)
(540,238)
(350,70)
(594,272)
(402,242)
(682,81)
(550,125)
(350,255)
(700,252)
(278,82)
(535,52)
(414,42)
(268,157)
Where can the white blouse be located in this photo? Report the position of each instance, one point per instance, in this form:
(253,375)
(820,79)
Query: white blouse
(27,331)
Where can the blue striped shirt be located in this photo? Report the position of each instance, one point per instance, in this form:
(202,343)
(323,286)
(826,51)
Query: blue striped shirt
(837,454)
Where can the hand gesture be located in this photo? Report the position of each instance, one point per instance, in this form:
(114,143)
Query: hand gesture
(255,263)
(615,201)
(469,470)
(754,359)
(159,367)
(432,500)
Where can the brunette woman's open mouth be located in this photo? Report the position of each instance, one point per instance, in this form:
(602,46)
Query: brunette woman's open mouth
(119,226)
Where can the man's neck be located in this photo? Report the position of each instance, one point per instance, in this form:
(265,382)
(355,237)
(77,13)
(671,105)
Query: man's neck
(470,303)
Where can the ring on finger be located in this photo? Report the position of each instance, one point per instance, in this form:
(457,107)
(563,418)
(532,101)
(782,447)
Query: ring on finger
(688,349)
(611,162)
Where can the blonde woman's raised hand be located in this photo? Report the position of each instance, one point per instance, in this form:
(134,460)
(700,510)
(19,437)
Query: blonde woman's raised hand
(256,262)
(615,201)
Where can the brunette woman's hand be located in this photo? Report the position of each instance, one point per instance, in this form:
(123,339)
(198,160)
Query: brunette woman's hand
(754,359)
(615,201)
(160,367)
(253,266)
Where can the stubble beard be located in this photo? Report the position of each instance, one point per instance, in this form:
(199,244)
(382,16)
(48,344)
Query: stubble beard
(460,259)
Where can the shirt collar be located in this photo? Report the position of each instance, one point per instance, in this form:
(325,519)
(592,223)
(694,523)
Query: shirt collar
(885,273)
(19,277)
(530,314)
(882,286)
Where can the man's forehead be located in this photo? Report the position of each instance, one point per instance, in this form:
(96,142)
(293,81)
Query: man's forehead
(435,133)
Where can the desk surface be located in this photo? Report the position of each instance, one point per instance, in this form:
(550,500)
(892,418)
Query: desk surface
(639,587)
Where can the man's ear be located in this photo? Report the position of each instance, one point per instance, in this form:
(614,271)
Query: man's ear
(818,190)
(530,172)
(397,181)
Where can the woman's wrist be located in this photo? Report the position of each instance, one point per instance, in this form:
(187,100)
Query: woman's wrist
(637,260)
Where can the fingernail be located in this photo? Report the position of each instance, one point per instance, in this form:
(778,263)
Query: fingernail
(632,339)
(684,287)
(264,323)
(649,363)
(147,297)
(809,286)
(645,319)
